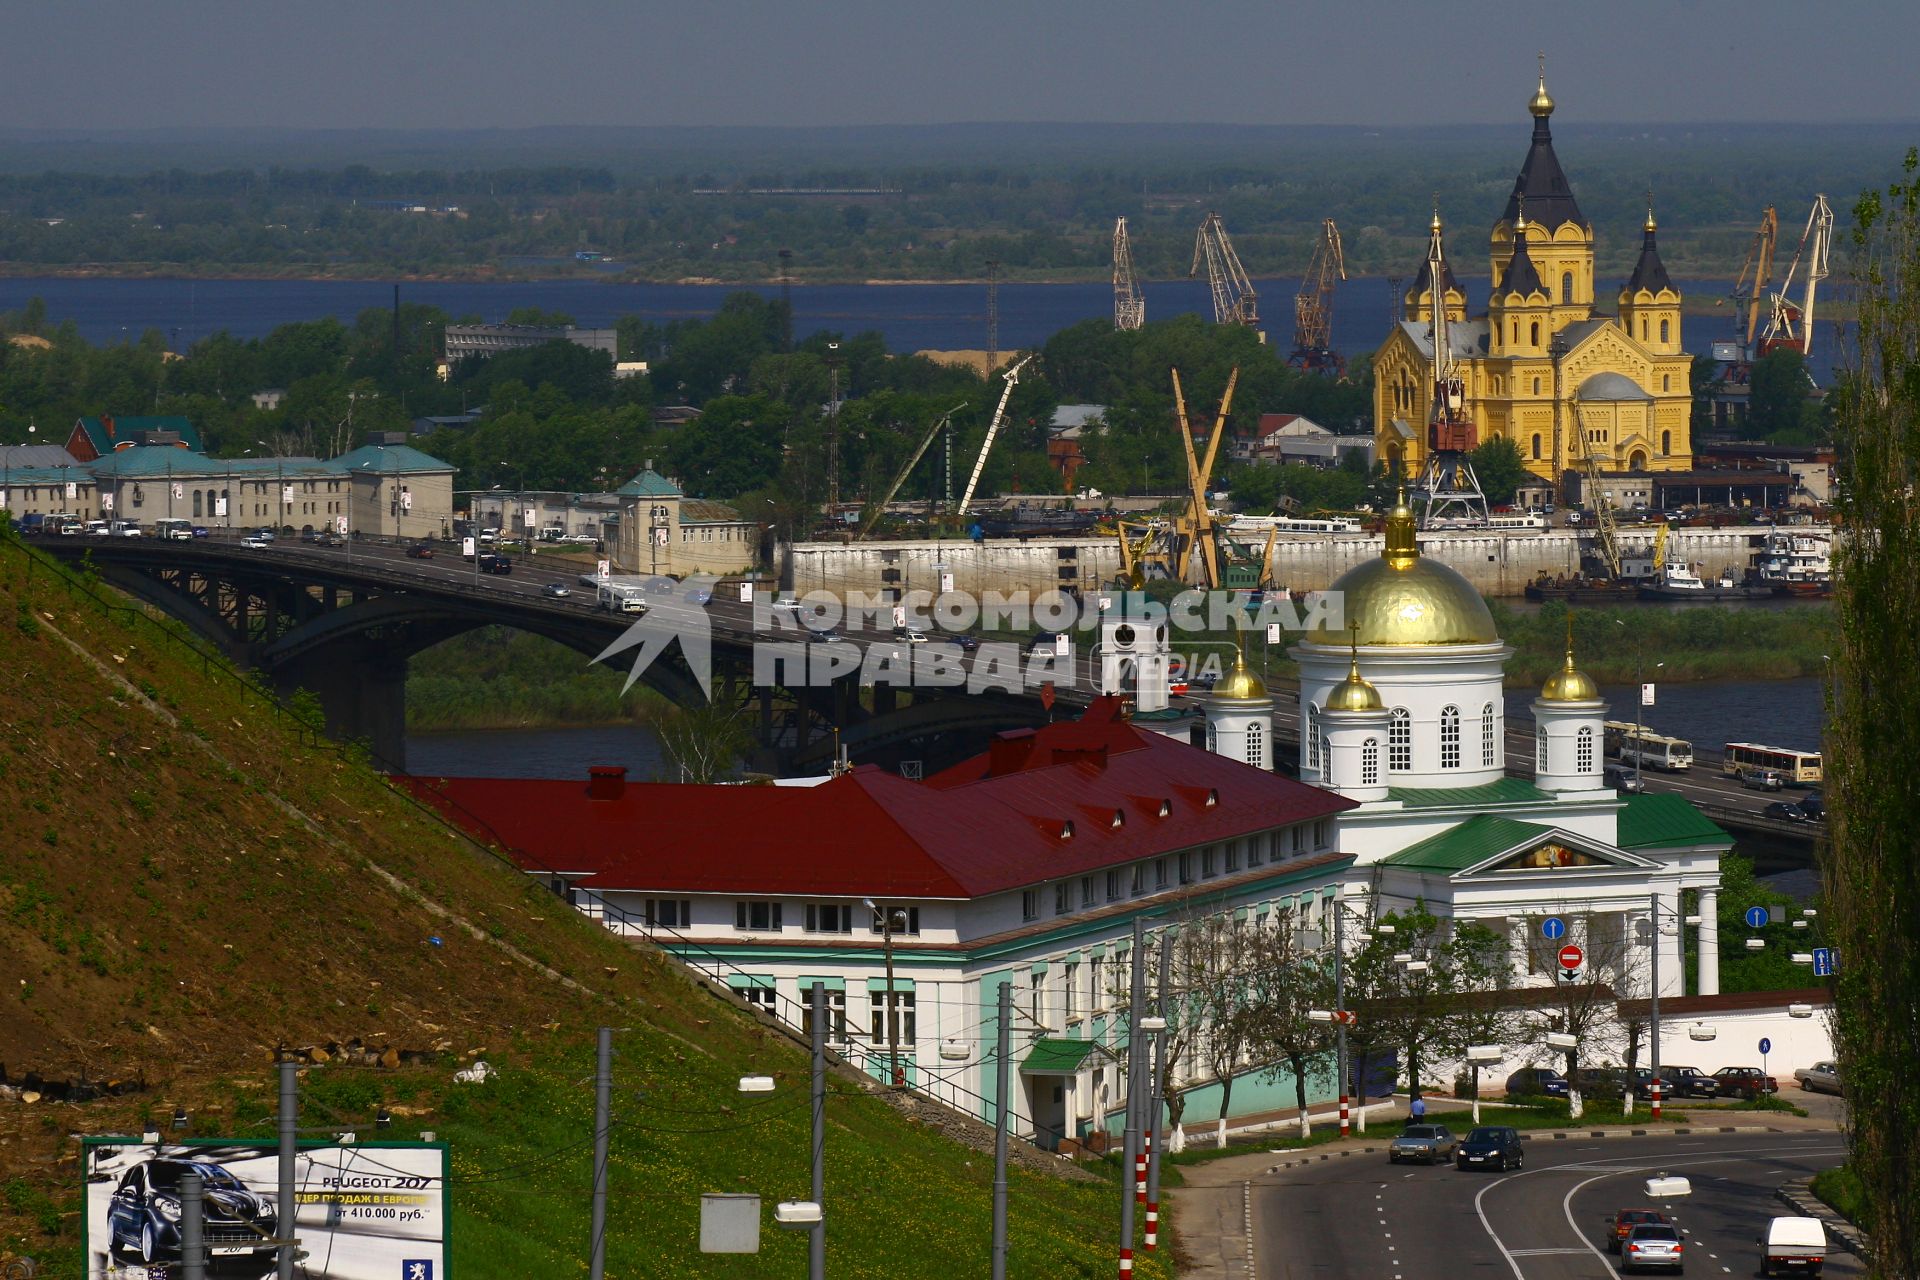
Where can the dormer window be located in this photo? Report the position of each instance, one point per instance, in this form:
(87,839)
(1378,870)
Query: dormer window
(1213,797)
(1166,808)
(1119,819)
(1066,829)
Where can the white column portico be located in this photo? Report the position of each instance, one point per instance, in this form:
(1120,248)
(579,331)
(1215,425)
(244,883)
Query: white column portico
(1708,978)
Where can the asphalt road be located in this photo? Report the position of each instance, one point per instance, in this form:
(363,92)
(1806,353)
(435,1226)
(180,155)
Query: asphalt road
(1361,1217)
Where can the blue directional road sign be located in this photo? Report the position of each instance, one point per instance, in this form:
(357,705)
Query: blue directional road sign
(1766,1046)
(1823,962)
(1756,917)
(1553,928)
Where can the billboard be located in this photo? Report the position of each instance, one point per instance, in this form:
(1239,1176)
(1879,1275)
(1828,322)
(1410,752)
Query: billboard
(364,1211)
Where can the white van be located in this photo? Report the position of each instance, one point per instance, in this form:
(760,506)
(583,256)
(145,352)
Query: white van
(124,529)
(96,529)
(173,529)
(622,599)
(1793,1246)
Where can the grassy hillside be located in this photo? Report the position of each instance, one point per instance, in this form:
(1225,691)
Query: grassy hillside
(188,879)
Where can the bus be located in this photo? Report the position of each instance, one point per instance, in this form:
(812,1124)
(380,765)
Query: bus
(173,529)
(1799,768)
(1637,744)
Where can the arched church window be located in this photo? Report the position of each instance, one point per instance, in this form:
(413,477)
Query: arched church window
(1540,750)
(1450,737)
(1487,732)
(1536,446)
(1664,330)
(1536,386)
(1533,332)
(1666,443)
(1583,753)
(1256,749)
(1643,328)
(1313,735)
(196,503)
(1566,286)
(1516,333)
(1399,741)
(1370,762)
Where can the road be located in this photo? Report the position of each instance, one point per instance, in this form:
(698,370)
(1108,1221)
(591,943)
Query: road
(1361,1217)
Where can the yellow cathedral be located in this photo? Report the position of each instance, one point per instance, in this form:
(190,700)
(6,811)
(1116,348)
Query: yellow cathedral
(1542,367)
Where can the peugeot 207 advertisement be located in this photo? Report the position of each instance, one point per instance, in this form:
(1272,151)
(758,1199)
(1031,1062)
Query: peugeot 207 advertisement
(361,1211)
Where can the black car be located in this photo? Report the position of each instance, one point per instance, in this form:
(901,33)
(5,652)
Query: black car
(1784,812)
(1537,1082)
(492,563)
(1686,1082)
(1814,805)
(143,1218)
(963,639)
(420,551)
(1492,1146)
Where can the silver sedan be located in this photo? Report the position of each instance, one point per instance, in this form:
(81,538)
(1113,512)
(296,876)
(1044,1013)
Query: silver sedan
(1821,1077)
(1426,1143)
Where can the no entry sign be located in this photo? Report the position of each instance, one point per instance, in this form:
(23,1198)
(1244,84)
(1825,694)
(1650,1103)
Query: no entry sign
(1571,956)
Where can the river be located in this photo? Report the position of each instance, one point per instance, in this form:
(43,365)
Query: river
(911,317)
(1783,713)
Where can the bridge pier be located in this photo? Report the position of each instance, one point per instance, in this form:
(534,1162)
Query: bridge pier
(363,696)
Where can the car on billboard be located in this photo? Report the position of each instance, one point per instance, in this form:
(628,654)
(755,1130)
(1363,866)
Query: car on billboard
(143,1219)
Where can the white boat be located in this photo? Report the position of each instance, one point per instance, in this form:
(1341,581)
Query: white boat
(1796,562)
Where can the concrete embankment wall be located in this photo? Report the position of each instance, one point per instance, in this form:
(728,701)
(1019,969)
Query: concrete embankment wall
(1499,563)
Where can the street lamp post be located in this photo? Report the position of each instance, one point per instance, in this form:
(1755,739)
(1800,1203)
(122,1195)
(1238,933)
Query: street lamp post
(280,481)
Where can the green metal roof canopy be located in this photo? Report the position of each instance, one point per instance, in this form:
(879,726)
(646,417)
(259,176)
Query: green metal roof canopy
(1055,1057)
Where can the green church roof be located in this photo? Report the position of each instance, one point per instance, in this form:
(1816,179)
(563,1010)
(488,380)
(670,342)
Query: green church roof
(1665,820)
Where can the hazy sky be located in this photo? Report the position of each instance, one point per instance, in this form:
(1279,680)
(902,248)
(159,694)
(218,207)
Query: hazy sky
(102,64)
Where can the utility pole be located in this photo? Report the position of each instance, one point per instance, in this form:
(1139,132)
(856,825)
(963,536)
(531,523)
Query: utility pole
(894,1073)
(193,1217)
(993,315)
(833,432)
(1156,1108)
(1137,997)
(602,1124)
(1004,1074)
(817,1246)
(284,1218)
(1340,1008)
(1655,940)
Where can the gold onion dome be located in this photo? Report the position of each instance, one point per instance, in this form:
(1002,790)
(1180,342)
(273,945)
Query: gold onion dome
(1569,684)
(1542,104)
(1355,693)
(1404,599)
(1240,684)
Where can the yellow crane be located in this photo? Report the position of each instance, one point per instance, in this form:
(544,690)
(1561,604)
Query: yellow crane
(1202,538)
(1313,306)
(1756,277)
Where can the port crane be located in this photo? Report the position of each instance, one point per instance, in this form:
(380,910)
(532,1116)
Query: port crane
(1756,277)
(1449,489)
(1788,324)
(1202,536)
(1012,375)
(1313,306)
(873,517)
(1129,304)
(1234,299)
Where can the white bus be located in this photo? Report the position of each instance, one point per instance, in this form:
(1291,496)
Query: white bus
(1799,768)
(1642,746)
(173,529)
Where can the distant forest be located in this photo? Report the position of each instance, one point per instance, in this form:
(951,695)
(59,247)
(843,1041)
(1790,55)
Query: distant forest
(886,203)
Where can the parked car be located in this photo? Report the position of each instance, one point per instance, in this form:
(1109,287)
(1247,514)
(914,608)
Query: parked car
(1620,779)
(1743,1082)
(1492,1146)
(1650,1246)
(420,551)
(1821,1077)
(1763,780)
(1814,804)
(1675,1082)
(1538,1082)
(143,1216)
(1784,812)
(1603,1081)
(555,591)
(1623,1223)
(1423,1142)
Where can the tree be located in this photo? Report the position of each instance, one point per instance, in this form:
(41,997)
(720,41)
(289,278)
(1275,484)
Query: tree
(1872,863)
(1410,988)
(1484,1011)
(1289,976)
(1501,470)
(1777,401)
(1584,1002)
(1213,963)
(703,742)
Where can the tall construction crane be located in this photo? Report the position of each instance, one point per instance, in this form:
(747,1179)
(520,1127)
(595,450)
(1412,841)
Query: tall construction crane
(1129,305)
(1788,324)
(1012,376)
(880,509)
(1313,307)
(1448,487)
(1202,537)
(1234,301)
(1756,277)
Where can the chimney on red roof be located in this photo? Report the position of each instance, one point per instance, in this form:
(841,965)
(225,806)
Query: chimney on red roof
(1009,751)
(106,421)
(606,781)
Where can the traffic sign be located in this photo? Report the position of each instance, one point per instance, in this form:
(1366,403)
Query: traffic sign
(1766,1046)
(1756,917)
(1822,962)
(1553,928)
(1571,957)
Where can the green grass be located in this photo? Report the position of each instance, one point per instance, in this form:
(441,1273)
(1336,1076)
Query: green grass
(1713,643)
(1842,1190)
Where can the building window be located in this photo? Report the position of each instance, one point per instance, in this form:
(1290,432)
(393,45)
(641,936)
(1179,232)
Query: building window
(1209,862)
(1487,736)
(1540,749)
(836,1012)
(1255,854)
(669,913)
(903,1017)
(1160,873)
(1583,755)
(1186,868)
(1566,287)
(1313,735)
(1536,387)
(905,920)
(1096,989)
(1399,741)
(762,996)
(1533,333)
(1449,737)
(1062,898)
(1233,855)
(1030,904)
(1666,444)
(196,502)
(1297,837)
(1664,330)
(1326,751)
(1370,763)
(1113,886)
(1035,1009)
(1322,839)
(1138,882)
(1256,747)
(829,917)
(1070,987)
(756,917)
(1273,846)
(1086,891)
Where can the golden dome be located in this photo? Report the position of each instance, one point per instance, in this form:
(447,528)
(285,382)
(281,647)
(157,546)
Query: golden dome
(1404,599)
(1569,684)
(1542,104)
(1354,693)
(1240,684)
